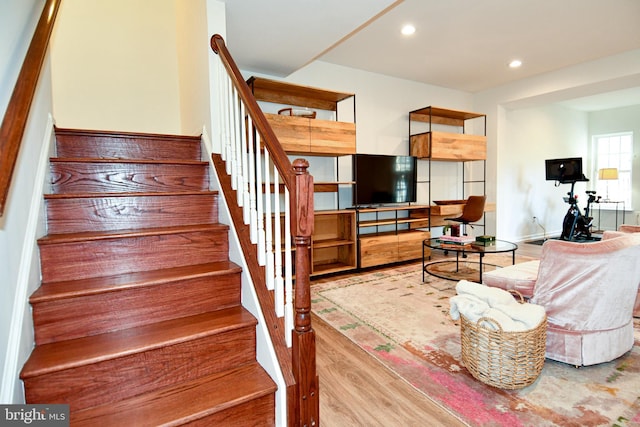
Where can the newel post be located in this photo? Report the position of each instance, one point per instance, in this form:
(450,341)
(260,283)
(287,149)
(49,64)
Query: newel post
(303,344)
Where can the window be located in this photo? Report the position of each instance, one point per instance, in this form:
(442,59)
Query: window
(614,151)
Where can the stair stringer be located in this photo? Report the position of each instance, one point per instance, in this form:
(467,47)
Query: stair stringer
(20,340)
(265,350)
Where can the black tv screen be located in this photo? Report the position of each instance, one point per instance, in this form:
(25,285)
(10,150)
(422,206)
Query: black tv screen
(564,170)
(384,179)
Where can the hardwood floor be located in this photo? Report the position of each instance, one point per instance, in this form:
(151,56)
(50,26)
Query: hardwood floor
(526,249)
(357,390)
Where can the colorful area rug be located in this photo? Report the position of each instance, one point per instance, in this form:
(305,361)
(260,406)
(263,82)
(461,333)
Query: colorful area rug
(405,324)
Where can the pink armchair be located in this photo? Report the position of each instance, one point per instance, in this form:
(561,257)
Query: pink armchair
(588,291)
(627,228)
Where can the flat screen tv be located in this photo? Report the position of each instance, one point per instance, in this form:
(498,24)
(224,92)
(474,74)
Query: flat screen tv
(382,179)
(564,170)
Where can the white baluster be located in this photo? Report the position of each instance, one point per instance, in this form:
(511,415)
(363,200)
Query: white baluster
(235,139)
(260,210)
(228,145)
(277,244)
(222,76)
(244,199)
(254,154)
(268,220)
(288,270)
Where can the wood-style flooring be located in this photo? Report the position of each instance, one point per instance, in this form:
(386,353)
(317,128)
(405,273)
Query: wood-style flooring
(357,390)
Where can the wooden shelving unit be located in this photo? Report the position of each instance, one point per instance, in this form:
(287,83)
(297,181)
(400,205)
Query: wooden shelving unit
(330,187)
(333,246)
(302,135)
(447,146)
(389,237)
(457,144)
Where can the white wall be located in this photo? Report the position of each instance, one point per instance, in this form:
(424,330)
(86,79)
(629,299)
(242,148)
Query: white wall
(532,135)
(193,64)
(114,68)
(621,120)
(525,126)
(382,112)
(536,97)
(18,19)
(19,272)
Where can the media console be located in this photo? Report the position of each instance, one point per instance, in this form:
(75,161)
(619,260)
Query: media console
(385,235)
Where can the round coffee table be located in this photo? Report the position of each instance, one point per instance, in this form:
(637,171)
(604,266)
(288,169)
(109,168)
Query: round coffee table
(497,246)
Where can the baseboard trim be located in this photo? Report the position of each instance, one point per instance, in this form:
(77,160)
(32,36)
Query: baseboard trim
(10,373)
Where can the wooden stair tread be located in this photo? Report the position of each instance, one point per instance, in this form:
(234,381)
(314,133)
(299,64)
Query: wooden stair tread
(127,161)
(167,341)
(62,355)
(129,194)
(196,139)
(72,288)
(115,234)
(185,402)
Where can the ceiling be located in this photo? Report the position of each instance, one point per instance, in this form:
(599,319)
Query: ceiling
(459,44)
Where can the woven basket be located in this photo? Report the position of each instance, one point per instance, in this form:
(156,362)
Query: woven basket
(508,360)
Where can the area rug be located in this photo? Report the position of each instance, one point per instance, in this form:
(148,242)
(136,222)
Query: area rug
(405,324)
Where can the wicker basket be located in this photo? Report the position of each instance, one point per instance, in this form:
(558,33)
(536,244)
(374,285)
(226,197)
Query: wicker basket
(508,360)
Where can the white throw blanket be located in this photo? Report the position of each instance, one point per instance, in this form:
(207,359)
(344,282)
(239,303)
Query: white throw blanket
(475,301)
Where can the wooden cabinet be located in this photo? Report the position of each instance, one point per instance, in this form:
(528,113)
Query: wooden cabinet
(385,235)
(303,135)
(333,246)
(460,145)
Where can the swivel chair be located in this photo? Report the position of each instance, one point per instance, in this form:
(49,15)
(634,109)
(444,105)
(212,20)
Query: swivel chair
(588,292)
(472,212)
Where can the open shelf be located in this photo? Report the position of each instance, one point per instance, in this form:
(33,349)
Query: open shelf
(333,247)
(303,96)
(390,221)
(386,240)
(331,267)
(331,243)
(329,187)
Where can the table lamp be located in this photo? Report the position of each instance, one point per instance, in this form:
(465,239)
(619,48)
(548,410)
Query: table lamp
(608,174)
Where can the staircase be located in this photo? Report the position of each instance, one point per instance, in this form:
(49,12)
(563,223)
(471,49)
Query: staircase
(138,319)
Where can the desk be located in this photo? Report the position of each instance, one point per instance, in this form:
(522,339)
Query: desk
(611,202)
(498,246)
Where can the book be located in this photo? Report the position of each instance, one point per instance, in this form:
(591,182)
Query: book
(483,244)
(457,239)
(455,246)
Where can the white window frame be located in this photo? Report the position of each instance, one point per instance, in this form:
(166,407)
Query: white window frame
(614,150)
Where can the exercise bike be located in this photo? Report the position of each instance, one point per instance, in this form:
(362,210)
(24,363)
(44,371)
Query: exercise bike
(575,225)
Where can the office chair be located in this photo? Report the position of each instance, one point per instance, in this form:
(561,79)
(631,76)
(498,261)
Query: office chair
(472,212)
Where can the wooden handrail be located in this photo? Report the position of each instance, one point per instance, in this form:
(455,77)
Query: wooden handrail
(302,394)
(17,113)
(269,138)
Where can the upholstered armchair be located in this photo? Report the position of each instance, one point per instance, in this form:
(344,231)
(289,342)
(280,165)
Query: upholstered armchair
(627,228)
(588,291)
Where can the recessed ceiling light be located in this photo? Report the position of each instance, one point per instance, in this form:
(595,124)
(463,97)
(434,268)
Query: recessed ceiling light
(408,29)
(515,63)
